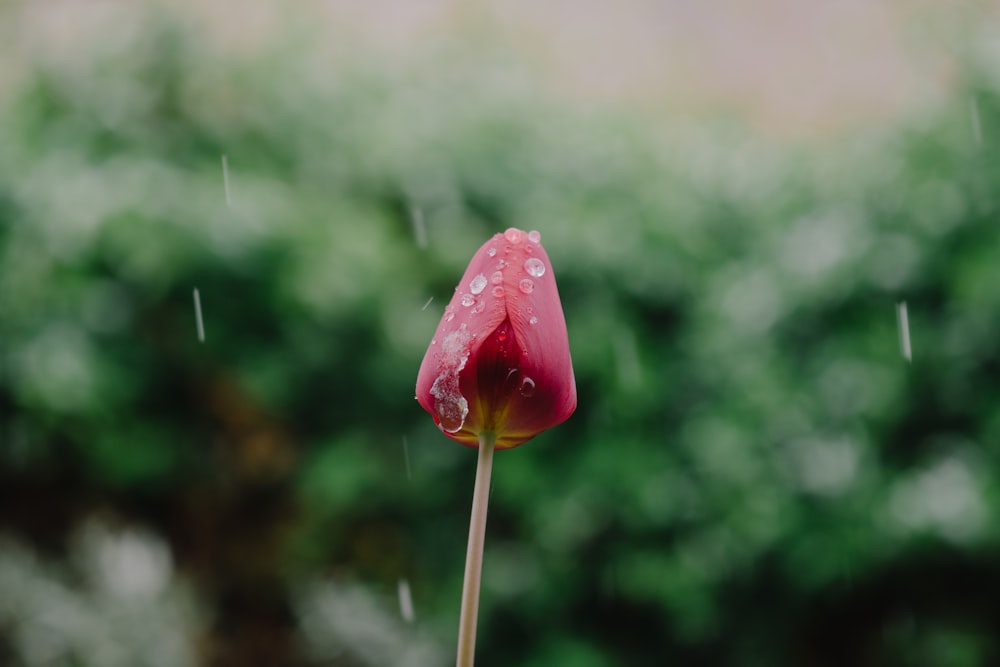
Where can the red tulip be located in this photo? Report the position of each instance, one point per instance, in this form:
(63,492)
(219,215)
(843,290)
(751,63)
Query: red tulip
(499,362)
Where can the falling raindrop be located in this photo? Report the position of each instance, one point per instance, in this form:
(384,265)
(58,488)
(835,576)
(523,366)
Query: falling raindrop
(197,316)
(903,322)
(225,180)
(428,303)
(492,252)
(468,300)
(498,291)
(535,236)
(533,320)
(534,266)
(526,285)
(419,226)
(405,601)
(527,387)
(977,127)
(514,235)
(478,284)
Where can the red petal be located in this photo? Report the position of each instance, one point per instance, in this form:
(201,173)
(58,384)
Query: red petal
(500,359)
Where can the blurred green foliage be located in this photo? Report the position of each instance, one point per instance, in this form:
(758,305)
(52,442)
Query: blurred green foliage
(754,475)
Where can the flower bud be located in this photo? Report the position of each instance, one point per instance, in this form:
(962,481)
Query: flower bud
(499,361)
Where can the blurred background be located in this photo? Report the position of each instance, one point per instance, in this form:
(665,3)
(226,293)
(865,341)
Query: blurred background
(228,230)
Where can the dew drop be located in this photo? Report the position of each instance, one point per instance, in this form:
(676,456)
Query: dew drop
(450,407)
(480,307)
(451,412)
(527,387)
(533,320)
(526,285)
(478,284)
(496,278)
(449,314)
(502,264)
(468,300)
(498,291)
(534,266)
(502,335)
(535,236)
(492,252)
(514,235)
(434,341)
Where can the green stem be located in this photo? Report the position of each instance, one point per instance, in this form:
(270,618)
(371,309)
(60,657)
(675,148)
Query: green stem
(474,554)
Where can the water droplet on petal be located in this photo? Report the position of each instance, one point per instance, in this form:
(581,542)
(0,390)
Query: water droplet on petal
(492,252)
(449,314)
(526,285)
(496,278)
(514,235)
(502,264)
(480,307)
(468,300)
(527,387)
(478,284)
(452,412)
(434,341)
(450,407)
(534,266)
(498,291)
(535,236)
(502,335)
(533,320)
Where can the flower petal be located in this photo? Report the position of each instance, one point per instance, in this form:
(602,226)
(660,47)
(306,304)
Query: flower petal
(500,359)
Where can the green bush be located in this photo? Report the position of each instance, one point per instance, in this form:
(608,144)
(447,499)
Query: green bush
(754,475)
